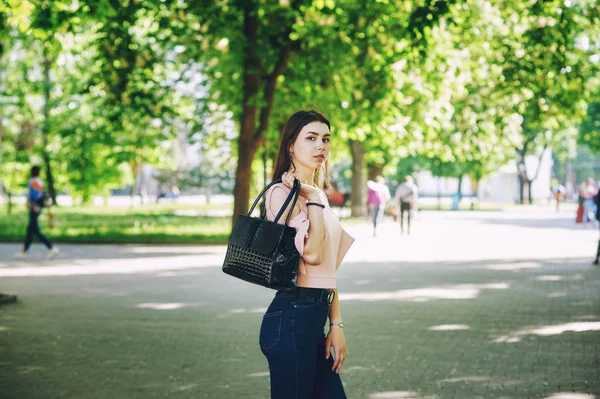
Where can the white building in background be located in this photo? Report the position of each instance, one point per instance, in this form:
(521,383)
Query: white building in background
(502,186)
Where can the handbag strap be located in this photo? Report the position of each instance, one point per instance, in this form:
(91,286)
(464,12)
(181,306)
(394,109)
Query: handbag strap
(293,195)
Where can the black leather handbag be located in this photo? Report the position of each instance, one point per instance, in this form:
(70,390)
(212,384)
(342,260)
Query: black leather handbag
(263,252)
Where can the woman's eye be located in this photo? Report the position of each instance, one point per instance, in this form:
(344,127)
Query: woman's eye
(326,140)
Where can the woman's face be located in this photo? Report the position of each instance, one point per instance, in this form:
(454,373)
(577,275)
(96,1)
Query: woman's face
(311,147)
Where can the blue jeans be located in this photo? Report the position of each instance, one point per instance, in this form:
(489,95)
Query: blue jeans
(589,206)
(376,214)
(293,340)
(33,229)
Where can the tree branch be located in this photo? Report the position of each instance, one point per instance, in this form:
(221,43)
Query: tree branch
(270,87)
(537,171)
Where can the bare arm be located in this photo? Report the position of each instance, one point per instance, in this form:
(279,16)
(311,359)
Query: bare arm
(313,247)
(335,337)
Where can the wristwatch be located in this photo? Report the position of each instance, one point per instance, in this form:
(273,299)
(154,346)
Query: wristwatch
(336,323)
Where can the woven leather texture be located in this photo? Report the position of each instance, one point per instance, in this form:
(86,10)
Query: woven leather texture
(263,253)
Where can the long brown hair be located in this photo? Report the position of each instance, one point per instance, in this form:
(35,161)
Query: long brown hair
(289,134)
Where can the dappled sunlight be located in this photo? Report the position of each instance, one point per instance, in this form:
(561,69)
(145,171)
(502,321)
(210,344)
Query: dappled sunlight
(583,303)
(30,369)
(461,291)
(114,266)
(570,395)
(514,266)
(103,292)
(466,379)
(587,317)
(559,278)
(490,381)
(185,387)
(178,274)
(2,328)
(353,369)
(450,327)
(399,395)
(242,310)
(262,374)
(160,306)
(549,330)
(556,294)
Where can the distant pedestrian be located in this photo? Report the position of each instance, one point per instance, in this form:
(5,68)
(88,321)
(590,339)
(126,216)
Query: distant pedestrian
(558,193)
(588,193)
(37,200)
(378,195)
(407,195)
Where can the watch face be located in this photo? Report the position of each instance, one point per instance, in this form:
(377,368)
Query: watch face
(342,325)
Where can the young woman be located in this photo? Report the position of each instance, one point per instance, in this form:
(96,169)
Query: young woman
(301,361)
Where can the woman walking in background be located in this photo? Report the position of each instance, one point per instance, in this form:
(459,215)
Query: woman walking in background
(378,195)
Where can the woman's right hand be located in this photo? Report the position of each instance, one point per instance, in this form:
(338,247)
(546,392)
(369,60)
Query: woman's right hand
(309,192)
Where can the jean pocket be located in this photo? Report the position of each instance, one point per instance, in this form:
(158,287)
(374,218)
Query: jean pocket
(270,331)
(307,302)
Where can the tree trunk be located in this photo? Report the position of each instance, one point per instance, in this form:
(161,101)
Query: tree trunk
(521,190)
(265,163)
(47,63)
(49,176)
(243,177)
(374,170)
(522,175)
(459,191)
(358,196)
(529,191)
(252,133)
(9,205)
(135,169)
(474,191)
(439,192)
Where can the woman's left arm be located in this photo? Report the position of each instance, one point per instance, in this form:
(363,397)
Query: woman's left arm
(335,337)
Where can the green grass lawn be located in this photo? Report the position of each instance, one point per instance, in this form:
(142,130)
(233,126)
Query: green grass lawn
(143,224)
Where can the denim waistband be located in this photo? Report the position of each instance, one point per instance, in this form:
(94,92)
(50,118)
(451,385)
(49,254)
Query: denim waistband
(304,292)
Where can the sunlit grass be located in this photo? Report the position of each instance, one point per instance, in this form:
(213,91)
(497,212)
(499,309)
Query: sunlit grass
(143,224)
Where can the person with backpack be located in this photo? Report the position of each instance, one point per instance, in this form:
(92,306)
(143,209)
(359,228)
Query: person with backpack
(37,200)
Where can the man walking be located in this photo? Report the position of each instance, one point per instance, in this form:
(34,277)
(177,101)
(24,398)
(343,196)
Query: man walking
(406,196)
(36,201)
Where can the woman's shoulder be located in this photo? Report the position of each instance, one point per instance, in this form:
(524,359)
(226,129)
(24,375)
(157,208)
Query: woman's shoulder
(277,187)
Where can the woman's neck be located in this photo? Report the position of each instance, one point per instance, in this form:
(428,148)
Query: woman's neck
(305,175)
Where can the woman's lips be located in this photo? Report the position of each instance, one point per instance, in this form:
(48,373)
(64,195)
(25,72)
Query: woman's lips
(320,157)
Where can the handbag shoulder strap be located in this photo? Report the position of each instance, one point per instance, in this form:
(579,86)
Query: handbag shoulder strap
(293,195)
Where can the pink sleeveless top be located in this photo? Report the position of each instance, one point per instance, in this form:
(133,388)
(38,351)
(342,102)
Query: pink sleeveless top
(336,245)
